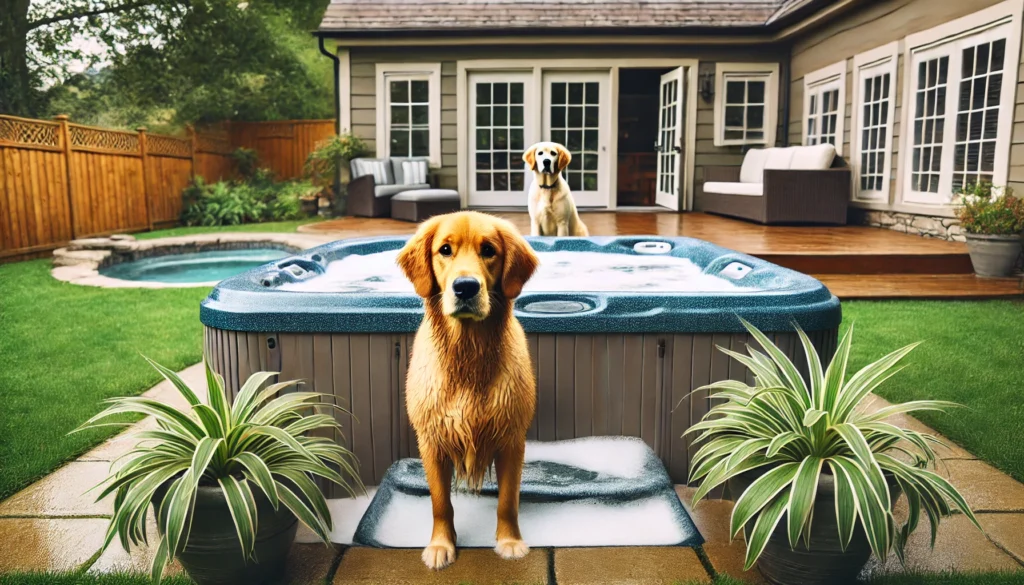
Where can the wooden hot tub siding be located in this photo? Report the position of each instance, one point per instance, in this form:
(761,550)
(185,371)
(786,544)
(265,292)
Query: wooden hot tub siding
(586,384)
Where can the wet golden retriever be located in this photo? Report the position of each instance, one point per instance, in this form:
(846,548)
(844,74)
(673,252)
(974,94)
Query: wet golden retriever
(470,391)
(550,203)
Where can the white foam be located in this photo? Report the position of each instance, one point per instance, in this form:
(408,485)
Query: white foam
(407,522)
(345,516)
(558,271)
(615,457)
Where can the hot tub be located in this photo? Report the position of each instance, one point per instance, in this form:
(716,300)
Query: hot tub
(621,330)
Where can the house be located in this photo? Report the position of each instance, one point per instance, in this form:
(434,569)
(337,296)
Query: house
(919,96)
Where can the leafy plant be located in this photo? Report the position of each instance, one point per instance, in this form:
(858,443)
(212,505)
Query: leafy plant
(246,161)
(795,431)
(259,442)
(322,164)
(984,209)
(233,203)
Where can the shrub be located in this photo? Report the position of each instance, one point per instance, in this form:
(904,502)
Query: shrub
(233,203)
(984,209)
(246,161)
(322,164)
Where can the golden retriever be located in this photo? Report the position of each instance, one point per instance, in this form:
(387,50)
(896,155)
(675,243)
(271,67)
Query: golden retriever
(470,391)
(552,209)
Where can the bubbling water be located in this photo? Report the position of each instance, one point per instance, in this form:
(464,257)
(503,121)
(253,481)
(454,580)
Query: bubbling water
(558,272)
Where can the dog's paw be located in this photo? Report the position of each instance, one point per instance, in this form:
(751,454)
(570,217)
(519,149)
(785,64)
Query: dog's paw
(511,549)
(438,556)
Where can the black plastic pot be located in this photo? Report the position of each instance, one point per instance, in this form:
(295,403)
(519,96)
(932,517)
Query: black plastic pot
(825,562)
(213,554)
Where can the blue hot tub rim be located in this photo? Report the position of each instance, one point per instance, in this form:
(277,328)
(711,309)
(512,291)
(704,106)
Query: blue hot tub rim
(249,302)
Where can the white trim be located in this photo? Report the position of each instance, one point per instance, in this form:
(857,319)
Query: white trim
(412,71)
(344,91)
(1006,13)
(771,91)
(828,78)
(879,61)
(537,68)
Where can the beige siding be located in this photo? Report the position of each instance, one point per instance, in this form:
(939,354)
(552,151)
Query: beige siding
(872,26)
(363,86)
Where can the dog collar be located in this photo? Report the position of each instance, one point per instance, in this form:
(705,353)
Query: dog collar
(543,186)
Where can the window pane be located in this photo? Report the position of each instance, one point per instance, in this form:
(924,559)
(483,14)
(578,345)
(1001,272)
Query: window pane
(500,93)
(590,140)
(576,93)
(483,161)
(516,115)
(420,143)
(501,181)
(733,116)
(517,182)
(500,161)
(500,139)
(558,136)
(734,92)
(421,115)
(574,140)
(501,115)
(998,51)
(483,181)
(592,93)
(400,92)
(576,163)
(420,91)
(516,139)
(755,92)
(399,142)
(483,139)
(483,93)
(558,93)
(558,117)
(516,93)
(734,135)
(590,162)
(755,117)
(591,117)
(483,116)
(590,181)
(575,181)
(575,117)
(399,114)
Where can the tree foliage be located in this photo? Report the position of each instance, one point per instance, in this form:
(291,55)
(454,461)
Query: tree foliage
(167,61)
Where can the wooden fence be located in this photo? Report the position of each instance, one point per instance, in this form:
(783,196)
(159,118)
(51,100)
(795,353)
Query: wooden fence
(60,181)
(281,146)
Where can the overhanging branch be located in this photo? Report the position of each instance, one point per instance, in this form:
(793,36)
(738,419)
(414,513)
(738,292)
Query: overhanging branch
(85,14)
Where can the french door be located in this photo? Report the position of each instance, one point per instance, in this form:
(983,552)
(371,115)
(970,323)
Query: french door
(502,111)
(671,138)
(576,114)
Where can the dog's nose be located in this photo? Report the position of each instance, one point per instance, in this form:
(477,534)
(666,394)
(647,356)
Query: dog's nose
(465,287)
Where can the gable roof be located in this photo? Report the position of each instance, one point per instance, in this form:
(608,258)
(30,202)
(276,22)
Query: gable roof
(440,16)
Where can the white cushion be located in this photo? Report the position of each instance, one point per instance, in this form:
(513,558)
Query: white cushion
(379,168)
(751,189)
(813,158)
(752,170)
(414,171)
(779,158)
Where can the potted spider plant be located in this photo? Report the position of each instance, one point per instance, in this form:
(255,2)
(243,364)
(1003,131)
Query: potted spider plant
(228,482)
(814,475)
(992,220)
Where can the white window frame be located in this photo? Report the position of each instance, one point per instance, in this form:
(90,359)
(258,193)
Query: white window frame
(879,61)
(746,72)
(831,78)
(1001,20)
(430,72)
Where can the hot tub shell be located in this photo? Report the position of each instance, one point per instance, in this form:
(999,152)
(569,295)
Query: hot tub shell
(625,366)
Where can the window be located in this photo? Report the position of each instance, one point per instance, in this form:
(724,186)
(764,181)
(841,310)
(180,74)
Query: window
(825,106)
(409,110)
(874,102)
(746,103)
(959,112)
(498,130)
(576,122)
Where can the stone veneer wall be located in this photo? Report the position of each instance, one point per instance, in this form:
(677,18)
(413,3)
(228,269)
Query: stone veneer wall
(946,228)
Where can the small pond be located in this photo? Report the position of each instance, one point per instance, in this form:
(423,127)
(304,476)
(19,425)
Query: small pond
(211,266)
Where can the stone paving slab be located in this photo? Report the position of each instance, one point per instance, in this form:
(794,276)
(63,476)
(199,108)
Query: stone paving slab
(986,488)
(116,560)
(473,566)
(62,493)
(712,519)
(310,564)
(621,565)
(959,546)
(1006,531)
(47,544)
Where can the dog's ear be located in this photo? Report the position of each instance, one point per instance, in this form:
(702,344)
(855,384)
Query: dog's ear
(564,158)
(415,259)
(520,261)
(530,157)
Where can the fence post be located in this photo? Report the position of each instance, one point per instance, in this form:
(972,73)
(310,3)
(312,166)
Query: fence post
(144,151)
(193,146)
(65,138)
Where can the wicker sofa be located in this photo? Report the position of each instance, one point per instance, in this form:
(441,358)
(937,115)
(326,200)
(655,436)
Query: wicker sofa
(376,180)
(792,185)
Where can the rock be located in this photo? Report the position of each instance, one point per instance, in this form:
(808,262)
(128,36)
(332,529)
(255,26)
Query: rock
(122,238)
(949,221)
(927,224)
(89,244)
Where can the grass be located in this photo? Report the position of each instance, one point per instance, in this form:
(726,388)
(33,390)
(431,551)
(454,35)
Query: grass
(973,354)
(66,347)
(274,226)
(87,579)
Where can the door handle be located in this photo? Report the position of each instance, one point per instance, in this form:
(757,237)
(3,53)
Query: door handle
(657,147)
(677,148)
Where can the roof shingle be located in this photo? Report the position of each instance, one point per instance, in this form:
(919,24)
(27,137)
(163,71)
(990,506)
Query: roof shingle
(453,15)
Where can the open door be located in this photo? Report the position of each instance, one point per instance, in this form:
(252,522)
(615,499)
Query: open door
(671,139)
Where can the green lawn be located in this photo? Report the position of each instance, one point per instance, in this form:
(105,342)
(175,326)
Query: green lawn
(973,354)
(86,579)
(274,226)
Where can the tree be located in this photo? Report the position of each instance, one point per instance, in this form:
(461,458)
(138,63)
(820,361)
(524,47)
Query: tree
(200,59)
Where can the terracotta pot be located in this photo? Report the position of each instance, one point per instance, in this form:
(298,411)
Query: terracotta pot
(993,256)
(213,554)
(825,562)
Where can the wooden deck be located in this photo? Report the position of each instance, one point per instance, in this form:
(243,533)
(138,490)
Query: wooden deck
(853,261)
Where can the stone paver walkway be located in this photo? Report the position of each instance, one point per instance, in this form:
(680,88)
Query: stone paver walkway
(51,525)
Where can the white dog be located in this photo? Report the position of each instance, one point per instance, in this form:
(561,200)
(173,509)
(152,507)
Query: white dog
(552,210)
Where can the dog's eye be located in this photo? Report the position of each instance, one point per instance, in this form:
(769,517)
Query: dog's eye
(487,251)
(446,250)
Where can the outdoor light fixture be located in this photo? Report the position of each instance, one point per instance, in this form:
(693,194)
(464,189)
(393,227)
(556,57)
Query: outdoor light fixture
(707,85)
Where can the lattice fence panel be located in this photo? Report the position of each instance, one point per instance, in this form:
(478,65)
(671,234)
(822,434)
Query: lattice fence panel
(29,132)
(168,146)
(86,137)
(213,143)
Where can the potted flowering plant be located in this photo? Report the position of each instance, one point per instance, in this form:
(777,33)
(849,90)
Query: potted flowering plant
(329,162)
(992,219)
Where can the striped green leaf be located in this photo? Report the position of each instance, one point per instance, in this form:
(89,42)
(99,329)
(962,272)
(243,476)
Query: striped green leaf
(763,529)
(846,504)
(801,496)
(759,493)
(240,513)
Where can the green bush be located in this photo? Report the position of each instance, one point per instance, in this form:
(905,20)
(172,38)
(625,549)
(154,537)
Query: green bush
(246,161)
(984,209)
(322,164)
(257,199)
